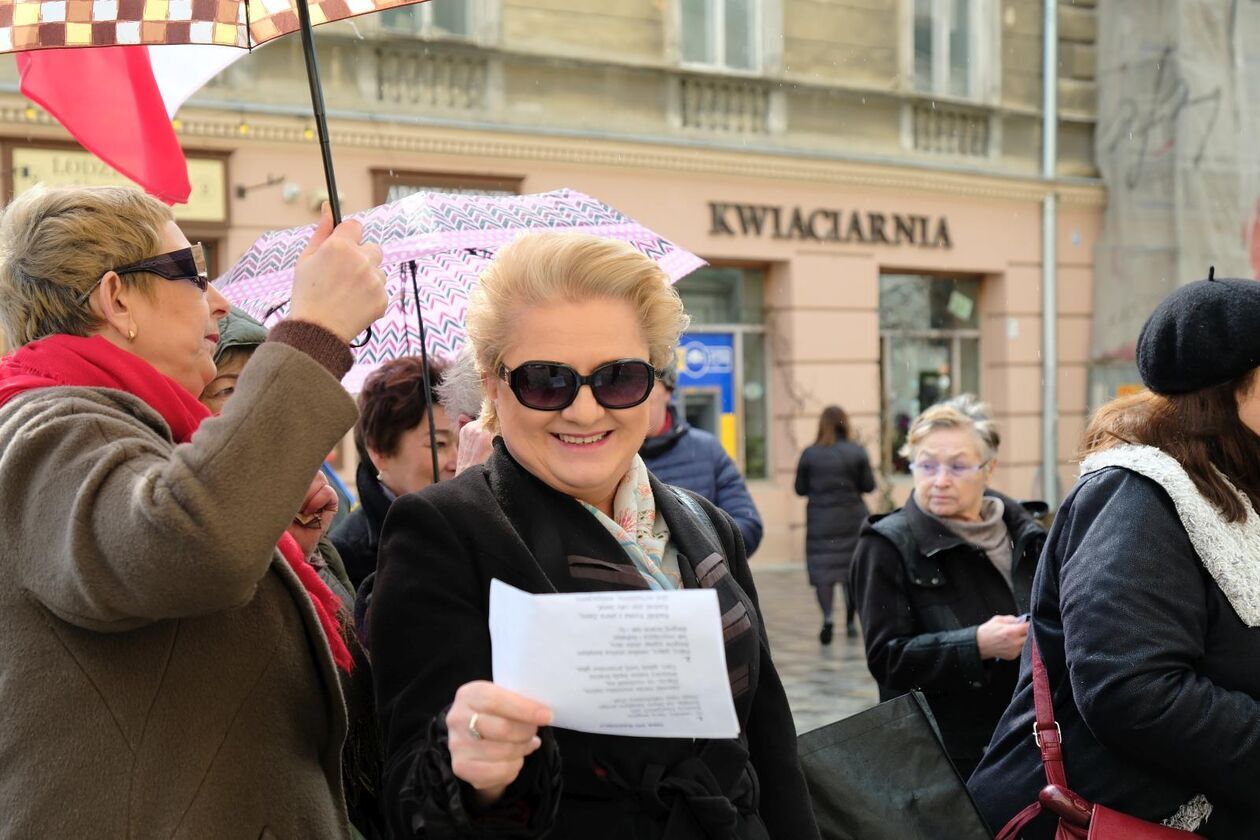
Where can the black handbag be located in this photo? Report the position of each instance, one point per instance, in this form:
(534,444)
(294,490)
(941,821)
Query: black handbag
(883,774)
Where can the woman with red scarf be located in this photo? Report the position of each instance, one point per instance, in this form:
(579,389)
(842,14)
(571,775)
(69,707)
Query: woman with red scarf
(168,661)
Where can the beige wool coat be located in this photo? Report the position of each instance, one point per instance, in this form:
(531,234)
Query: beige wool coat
(163,673)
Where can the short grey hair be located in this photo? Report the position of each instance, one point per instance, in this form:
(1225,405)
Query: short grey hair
(460,389)
(964,411)
(55,245)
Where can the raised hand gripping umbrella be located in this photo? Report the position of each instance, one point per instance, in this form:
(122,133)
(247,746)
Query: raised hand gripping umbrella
(435,247)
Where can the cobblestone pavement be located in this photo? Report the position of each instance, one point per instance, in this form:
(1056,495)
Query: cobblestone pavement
(823,683)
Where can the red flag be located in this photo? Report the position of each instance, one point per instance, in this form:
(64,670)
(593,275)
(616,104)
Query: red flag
(107,98)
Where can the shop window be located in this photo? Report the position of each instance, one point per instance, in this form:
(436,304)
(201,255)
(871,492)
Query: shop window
(954,43)
(211,248)
(930,342)
(389,185)
(722,374)
(434,19)
(720,33)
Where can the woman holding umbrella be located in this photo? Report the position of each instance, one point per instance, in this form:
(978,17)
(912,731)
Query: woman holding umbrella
(568,331)
(168,662)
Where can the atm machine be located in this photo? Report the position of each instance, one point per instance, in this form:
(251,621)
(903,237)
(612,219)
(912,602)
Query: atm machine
(707,387)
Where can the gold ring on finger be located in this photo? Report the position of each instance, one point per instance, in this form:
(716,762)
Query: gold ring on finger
(472,728)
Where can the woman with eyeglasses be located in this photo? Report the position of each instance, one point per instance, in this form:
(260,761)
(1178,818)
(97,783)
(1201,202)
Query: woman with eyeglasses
(569,332)
(168,660)
(942,585)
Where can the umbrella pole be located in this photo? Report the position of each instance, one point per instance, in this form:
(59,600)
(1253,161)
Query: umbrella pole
(424,361)
(321,124)
(317,106)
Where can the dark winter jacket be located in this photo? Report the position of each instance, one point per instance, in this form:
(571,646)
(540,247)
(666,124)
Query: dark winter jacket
(327,562)
(834,478)
(358,538)
(695,459)
(441,549)
(1151,639)
(921,592)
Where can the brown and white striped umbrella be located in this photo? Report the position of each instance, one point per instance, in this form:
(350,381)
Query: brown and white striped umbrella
(45,24)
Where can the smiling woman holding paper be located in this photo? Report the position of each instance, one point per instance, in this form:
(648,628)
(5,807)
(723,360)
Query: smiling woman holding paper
(568,333)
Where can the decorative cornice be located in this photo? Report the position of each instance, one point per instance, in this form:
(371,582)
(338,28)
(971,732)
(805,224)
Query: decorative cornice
(226,130)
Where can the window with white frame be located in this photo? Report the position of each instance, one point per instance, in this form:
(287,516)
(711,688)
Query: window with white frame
(953,47)
(720,33)
(434,19)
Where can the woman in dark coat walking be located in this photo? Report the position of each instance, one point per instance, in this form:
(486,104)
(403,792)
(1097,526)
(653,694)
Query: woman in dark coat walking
(941,583)
(568,331)
(833,474)
(1146,609)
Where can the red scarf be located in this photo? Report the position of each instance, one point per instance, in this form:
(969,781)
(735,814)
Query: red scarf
(96,363)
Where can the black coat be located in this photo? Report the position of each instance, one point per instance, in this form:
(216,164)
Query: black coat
(834,479)
(358,537)
(1156,680)
(920,601)
(440,550)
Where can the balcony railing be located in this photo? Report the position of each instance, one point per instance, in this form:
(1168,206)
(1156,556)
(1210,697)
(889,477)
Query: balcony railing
(949,130)
(735,106)
(429,79)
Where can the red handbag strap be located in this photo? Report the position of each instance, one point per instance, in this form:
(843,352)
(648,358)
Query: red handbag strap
(1048,738)
(1012,830)
(1046,732)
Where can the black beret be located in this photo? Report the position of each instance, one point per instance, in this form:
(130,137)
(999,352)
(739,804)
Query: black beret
(1203,334)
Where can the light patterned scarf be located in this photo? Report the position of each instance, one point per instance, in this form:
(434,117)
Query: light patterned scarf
(642,534)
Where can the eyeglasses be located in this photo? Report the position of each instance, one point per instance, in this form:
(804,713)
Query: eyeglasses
(928,469)
(552,386)
(185,264)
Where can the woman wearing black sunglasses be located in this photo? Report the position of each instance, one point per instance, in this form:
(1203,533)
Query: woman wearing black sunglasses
(568,333)
(168,660)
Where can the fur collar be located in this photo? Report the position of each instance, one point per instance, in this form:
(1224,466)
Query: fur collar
(1229,551)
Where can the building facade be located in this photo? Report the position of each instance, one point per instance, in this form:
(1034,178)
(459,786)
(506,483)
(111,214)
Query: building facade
(1178,154)
(861,175)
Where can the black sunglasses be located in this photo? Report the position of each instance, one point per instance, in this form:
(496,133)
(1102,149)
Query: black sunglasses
(552,386)
(185,264)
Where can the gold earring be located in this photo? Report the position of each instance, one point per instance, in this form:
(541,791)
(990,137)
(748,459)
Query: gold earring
(131,334)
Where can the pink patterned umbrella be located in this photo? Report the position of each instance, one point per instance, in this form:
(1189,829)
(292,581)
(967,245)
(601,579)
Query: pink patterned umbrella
(449,239)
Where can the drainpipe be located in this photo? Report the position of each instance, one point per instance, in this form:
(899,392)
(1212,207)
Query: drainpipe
(1049,259)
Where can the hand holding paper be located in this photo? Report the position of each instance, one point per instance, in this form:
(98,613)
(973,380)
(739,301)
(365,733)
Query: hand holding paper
(650,664)
(491,732)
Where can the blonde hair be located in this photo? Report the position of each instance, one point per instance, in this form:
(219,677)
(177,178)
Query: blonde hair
(538,269)
(962,412)
(57,242)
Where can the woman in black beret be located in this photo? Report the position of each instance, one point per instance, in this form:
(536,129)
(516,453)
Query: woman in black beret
(1146,605)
